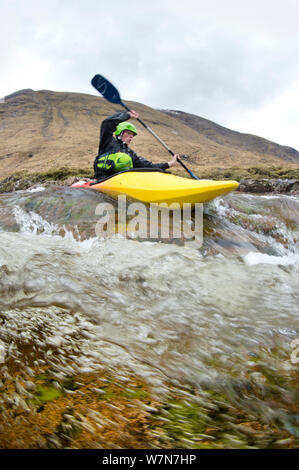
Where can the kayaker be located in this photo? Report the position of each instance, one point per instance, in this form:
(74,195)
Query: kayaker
(115,154)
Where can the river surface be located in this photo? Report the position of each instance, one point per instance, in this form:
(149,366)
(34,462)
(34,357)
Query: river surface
(218,319)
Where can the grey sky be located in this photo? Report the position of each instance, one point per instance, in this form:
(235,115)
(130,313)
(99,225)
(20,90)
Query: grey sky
(234,62)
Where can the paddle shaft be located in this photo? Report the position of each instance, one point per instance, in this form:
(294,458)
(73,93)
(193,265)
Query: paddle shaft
(161,142)
(150,130)
(110,93)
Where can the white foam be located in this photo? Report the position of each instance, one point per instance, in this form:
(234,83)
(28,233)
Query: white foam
(253,258)
(36,190)
(32,222)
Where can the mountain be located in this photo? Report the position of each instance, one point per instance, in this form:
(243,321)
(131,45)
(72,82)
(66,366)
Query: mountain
(43,129)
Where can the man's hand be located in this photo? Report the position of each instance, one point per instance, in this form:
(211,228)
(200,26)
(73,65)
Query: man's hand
(174,160)
(133,114)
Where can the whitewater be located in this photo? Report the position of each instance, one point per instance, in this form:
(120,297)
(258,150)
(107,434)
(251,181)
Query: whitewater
(209,329)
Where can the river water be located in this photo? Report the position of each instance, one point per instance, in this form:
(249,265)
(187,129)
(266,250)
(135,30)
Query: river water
(220,320)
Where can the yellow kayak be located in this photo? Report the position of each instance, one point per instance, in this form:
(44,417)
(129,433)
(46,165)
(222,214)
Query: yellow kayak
(158,187)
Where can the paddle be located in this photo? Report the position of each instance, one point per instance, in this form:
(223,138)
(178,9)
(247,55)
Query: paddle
(110,93)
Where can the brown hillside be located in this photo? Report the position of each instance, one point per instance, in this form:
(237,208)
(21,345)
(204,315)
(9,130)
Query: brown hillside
(40,130)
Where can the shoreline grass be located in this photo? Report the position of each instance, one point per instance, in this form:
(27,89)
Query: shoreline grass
(63,175)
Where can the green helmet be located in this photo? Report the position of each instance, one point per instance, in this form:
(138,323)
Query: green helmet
(125,126)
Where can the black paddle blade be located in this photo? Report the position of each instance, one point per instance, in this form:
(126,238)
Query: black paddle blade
(106,89)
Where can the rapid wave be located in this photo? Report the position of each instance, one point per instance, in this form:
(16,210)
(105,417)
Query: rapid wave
(194,318)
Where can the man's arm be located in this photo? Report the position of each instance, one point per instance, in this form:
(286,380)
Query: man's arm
(140,162)
(108,127)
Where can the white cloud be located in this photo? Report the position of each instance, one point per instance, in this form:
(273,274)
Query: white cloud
(277,120)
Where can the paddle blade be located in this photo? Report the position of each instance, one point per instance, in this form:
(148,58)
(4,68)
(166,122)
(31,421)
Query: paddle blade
(103,86)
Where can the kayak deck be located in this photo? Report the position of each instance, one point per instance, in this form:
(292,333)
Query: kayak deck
(158,187)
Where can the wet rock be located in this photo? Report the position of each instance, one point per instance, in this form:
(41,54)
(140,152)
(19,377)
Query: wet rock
(280,186)
(295,188)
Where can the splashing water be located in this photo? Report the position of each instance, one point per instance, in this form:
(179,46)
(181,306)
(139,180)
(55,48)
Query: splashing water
(208,330)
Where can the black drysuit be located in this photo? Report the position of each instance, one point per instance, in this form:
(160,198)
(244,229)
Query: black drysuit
(110,144)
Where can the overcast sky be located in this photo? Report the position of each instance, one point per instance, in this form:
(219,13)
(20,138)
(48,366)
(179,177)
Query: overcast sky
(235,62)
